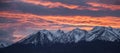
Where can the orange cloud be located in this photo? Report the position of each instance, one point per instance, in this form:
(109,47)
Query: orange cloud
(94,5)
(68,20)
(107,6)
(50,4)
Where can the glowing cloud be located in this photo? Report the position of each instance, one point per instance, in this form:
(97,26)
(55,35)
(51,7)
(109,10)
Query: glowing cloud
(68,20)
(106,6)
(50,4)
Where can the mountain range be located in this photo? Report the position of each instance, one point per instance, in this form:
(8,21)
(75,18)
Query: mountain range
(101,39)
(76,35)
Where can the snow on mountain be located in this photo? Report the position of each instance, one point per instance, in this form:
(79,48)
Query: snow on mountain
(103,33)
(59,36)
(41,37)
(76,35)
(117,32)
(3,44)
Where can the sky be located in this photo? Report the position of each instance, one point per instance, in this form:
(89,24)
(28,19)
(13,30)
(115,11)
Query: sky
(19,18)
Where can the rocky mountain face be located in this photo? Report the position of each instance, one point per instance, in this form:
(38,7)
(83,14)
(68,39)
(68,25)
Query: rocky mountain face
(98,40)
(4,44)
(76,35)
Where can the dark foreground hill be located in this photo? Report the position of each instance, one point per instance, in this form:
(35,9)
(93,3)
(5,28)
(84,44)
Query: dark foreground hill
(80,47)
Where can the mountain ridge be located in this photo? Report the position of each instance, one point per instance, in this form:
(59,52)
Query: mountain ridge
(75,35)
(98,40)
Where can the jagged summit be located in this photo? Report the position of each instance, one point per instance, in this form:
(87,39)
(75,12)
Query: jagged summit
(42,36)
(75,35)
(103,33)
(61,31)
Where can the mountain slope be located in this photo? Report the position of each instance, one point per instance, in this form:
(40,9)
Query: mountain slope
(3,44)
(103,33)
(98,40)
(76,35)
(45,36)
(41,37)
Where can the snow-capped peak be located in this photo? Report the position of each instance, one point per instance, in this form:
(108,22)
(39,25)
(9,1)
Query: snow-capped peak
(60,31)
(41,37)
(75,35)
(102,33)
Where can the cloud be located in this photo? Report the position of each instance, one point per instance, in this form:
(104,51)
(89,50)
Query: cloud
(29,23)
(76,2)
(4,6)
(66,25)
(104,6)
(41,10)
(6,35)
(7,20)
(59,4)
(113,2)
(60,9)
(43,20)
